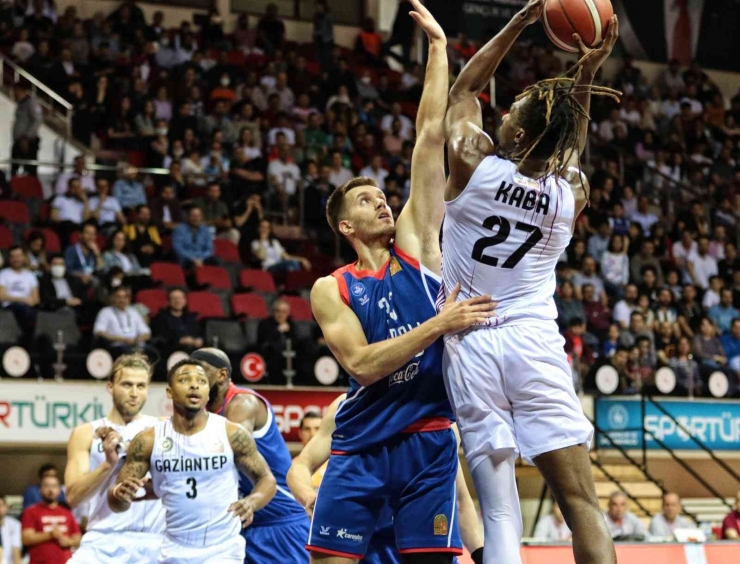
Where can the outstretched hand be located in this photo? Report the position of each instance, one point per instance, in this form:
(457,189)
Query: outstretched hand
(426,21)
(532,11)
(596,57)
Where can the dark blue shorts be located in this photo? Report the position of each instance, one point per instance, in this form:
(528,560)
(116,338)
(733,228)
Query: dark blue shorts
(281,544)
(414,475)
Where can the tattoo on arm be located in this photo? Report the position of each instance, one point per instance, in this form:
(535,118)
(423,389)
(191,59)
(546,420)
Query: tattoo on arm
(246,456)
(137,458)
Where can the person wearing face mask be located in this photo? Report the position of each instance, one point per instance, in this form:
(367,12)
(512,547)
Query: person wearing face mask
(59,289)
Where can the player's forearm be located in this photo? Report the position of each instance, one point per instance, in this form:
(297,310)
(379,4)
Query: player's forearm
(470,527)
(372,363)
(263,491)
(117,505)
(433,104)
(86,485)
(300,482)
(583,96)
(479,70)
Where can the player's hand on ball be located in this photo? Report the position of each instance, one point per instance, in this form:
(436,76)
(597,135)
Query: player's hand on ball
(426,21)
(244,510)
(126,490)
(456,316)
(596,57)
(532,11)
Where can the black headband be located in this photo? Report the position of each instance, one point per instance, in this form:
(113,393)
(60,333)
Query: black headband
(212,359)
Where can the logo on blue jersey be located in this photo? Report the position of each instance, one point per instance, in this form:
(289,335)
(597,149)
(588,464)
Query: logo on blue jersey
(404,375)
(358,290)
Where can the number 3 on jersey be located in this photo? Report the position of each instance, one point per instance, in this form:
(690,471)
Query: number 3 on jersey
(193,493)
(504,230)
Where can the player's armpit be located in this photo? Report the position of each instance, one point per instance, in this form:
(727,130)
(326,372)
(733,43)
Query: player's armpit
(251,463)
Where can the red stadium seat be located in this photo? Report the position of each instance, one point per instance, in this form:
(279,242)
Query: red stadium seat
(213,276)
(226,250)
(53,244)
(153,299)
(299,280)
(168,273)
(6,238)
(27,187)
(300,309)
(258,280)
(15,212)
(249,305)
(206,305)
(44,212)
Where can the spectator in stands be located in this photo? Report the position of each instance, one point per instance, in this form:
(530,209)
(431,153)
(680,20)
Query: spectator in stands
(19,289)
(588,275)
(553,528)
(402,33)
(598,316)
(49,544)
(323,34)
(105,208)
(120,327)
(702,265)
(569,307)
(665,523)
(69,211)
(26,125)
(376,171)
(731,523)
(707,347)
(176,328)
(36,252)
(119,254)
(622,523)
(86,178)
(32,494)
(270,30)
(723,313)
(407,126)
(216,214)
(712,295)
(166,210)
(369,44)
(615,266)
(60,289)
(10,536)
(731,345)
(689,311)
(599,241)
(128,191)
(730,264)
(83,259)
(192,242)
(310,423)
(609,127)
(646,258)
(273,255)
(144,236)
(283,175)
(272,335)
(624,307)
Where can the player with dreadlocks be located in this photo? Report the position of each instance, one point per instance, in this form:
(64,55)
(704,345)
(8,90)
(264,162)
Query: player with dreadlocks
(509,216)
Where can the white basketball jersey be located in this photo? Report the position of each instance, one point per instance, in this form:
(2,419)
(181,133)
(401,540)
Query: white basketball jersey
(503,236)
(196,479)
(143,517)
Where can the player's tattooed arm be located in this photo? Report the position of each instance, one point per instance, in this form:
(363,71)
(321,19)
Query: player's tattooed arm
(131,477)
(251,463)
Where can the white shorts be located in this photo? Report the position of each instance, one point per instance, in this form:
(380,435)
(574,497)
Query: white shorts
(117,548)
(230,552)
(511,388)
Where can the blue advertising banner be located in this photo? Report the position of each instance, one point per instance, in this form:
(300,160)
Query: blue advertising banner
(714,423)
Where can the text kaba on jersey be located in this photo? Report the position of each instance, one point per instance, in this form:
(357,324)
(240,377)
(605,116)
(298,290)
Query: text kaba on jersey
(520,197)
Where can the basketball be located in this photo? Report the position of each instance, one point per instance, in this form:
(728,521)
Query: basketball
(587,18)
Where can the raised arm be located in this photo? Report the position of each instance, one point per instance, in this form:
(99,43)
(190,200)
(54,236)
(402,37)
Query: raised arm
(253,466)
(80,481)
(313,455)
(417,230)
(370,363)
(467,144)
(131,477)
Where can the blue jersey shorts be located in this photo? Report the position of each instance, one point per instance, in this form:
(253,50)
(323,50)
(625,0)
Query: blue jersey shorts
(283,543)
(414,475)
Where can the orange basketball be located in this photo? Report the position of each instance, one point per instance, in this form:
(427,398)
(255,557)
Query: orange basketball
(587,18)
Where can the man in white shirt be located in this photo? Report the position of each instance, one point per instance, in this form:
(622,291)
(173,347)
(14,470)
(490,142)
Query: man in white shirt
(588,275)
(105,207)
(644,216)
(283,126)
(701,265)
(553,527)
(283,173)
(623,308)
(682,250)
(376,171)
(10,533)
(121,325)
(608,128)
(72,206)
(19,289)
(620,521)
(86,178)
(664,524)
(690,98)
(407,126)
(339,174)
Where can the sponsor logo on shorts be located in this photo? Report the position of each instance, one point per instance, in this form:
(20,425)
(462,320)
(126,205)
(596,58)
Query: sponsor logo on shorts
(404,375)
(325,531)
(619,417)
(440,525)
(358,290)
(343,534)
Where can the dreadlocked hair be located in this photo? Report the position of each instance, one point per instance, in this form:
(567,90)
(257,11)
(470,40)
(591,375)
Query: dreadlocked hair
(552,113)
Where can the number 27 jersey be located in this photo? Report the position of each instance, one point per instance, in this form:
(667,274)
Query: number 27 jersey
(503,237)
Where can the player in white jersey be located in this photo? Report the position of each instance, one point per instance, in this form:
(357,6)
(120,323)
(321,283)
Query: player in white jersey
(195,458)
(95,454)
(509,216)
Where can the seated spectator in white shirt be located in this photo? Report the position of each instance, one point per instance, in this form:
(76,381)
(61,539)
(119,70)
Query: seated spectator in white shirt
(283,174)
(69,211)
(588,275)
(283,126)
(553,527)
(407,126)
(119,326)
(621,523)
(376,171)
(608,127)
(105,208)
(701,265)
(644,216)
(19,289)
(86,178)
(712,295)
(623,308)
(681,251)
(339,174)
(272,254)
(10,536)
(664,524)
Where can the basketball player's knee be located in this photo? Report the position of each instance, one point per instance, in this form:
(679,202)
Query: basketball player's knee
(427,558)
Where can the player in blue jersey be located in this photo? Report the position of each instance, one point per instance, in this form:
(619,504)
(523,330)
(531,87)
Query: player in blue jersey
(382,548)
(278,533)
(393,445)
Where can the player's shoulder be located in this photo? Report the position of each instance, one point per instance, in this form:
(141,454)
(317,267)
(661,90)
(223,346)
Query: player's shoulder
(82,435)
(325,291)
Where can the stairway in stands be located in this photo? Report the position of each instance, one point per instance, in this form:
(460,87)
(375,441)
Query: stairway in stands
(645,496)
